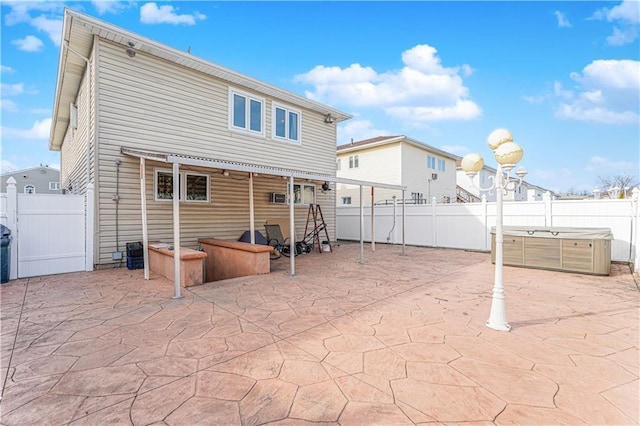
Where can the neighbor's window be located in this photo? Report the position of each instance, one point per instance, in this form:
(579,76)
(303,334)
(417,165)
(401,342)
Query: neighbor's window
(286,123)
(193,187)
(54,186)
(338,164)
(29,189)
(431,162)
(304,194)
(353,162)
(346,200)
(441,165)
(246,112)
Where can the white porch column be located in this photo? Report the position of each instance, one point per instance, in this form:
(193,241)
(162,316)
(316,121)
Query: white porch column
(404,217)
(292,229)
(143,209)
(373,222)
(12,224)
(361,225)
(252,226)
(176,229)
(88,229)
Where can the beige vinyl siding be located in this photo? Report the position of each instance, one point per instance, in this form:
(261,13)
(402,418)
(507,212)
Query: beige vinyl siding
(73,169)
(148,103)
(226,216)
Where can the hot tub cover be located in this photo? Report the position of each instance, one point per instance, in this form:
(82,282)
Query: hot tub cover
(557,232)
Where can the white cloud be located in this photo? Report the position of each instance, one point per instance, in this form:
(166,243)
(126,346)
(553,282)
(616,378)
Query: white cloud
(8,105)
(456,149)
(607,92)
(358,130)
(28,44)
(603,164)
(51,26)
(4,68)
(111,6)
(563,22)
(627,16)
(39,130)
(150,13)
(7,167)
(423,90)
(11,89)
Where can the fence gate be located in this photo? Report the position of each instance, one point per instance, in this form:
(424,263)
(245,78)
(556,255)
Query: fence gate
(51,234)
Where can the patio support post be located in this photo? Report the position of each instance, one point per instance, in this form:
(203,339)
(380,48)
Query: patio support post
(292,229)
(252,226)
(143,209)
(176,229)
(373,222)
(89,224)
(361,226)
(404,217)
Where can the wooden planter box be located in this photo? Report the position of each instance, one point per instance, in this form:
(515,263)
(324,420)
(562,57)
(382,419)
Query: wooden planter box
(583,250)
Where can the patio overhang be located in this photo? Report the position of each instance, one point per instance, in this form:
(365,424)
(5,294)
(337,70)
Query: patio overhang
(253,169)
(250,168)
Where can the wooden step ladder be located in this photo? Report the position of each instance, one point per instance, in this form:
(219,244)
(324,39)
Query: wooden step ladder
(314,215)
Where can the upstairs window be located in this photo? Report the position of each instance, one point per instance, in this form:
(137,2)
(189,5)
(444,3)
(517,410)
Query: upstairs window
(54,186)
(431,162)
(338,164)
(353,162)
(246,112)
(441,165)
(286,124)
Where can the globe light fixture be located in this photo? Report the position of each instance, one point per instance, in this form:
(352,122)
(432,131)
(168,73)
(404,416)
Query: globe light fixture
(507,154)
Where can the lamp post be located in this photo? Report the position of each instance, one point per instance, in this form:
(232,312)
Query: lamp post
(507,154)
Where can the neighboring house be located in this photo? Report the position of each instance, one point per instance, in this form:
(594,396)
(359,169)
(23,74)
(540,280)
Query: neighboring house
(34,180)
(427,172)
(130,111)
(484,179)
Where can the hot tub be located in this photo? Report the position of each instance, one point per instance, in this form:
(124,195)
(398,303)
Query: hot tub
(583,250)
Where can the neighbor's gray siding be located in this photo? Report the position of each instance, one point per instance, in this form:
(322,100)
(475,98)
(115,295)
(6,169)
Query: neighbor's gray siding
(147,103)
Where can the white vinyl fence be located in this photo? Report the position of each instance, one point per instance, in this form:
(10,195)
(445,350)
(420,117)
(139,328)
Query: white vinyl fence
(468,225)
(51,233)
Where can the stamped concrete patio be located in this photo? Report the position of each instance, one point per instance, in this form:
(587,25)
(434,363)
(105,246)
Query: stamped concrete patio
(399,340)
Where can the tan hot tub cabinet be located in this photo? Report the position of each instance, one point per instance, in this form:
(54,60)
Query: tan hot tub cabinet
(583,250)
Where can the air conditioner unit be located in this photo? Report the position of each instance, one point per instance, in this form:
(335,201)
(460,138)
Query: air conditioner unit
(276,198)
(434,176)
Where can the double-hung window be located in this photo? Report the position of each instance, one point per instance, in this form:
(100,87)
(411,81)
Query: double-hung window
(441,165)
(286,123)
(353,162)
(246,112)
(304,194)
(431,162)
(192,187)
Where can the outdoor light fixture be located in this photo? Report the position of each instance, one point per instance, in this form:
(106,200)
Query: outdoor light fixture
(326,187)
(329,119)
(225,173)
(130,50)
(507,154)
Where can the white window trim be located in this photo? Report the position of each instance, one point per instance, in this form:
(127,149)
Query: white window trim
(183,186)
(344,201)
(302,185)
(29,186)
(249,97)
(287,110)
(54,186)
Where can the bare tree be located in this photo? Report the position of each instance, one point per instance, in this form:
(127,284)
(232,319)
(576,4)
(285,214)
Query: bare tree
(621,181)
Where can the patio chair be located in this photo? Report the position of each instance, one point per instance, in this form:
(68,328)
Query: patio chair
(275,239)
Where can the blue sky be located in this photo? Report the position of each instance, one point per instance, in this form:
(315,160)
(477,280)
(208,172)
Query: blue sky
(564,77)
